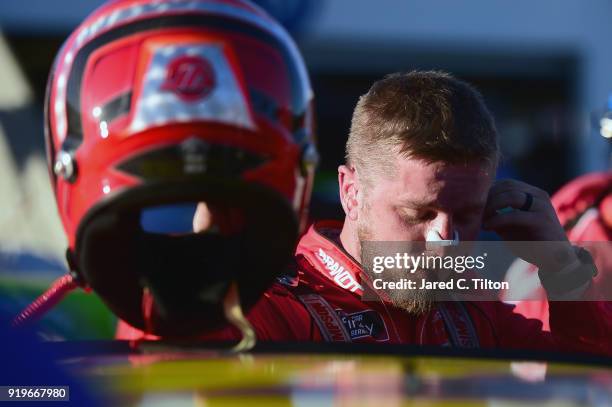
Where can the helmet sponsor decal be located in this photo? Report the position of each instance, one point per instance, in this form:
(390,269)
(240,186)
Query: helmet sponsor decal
(190,82)
(190,77)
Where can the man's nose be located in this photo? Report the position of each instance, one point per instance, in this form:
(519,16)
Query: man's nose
(442,226)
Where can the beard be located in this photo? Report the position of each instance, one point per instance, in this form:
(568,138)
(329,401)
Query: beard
(415,301)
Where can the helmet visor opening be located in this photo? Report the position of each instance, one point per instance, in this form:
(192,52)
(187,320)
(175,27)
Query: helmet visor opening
(184,245)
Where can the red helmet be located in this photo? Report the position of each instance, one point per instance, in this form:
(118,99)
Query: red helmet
(158,104)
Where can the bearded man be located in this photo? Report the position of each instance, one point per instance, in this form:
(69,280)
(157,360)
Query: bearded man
(420,163)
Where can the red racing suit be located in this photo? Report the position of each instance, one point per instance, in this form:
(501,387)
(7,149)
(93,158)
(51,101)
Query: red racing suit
(322,302)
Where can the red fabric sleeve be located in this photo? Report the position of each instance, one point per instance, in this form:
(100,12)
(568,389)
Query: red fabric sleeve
(578,326)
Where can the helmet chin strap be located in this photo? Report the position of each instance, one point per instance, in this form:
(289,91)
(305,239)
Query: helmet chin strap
(435,237)
(233,313)
(54,294)
(40,306)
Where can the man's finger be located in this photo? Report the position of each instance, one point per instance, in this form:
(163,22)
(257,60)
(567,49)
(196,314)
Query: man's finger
(516,219)
(512,199)
(503,186)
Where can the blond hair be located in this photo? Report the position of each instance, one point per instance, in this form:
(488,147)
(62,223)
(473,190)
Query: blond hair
(428,115)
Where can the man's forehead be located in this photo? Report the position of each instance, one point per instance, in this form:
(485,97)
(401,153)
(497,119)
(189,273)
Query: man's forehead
(418,182)
(416,169)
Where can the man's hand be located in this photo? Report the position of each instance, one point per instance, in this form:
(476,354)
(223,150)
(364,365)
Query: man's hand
(517,211)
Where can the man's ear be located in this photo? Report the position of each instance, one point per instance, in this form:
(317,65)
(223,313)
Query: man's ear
(349,186)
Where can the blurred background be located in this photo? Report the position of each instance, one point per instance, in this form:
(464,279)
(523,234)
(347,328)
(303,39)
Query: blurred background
(545,69)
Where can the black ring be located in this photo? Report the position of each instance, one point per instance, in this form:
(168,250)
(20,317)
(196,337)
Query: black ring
(528,202)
